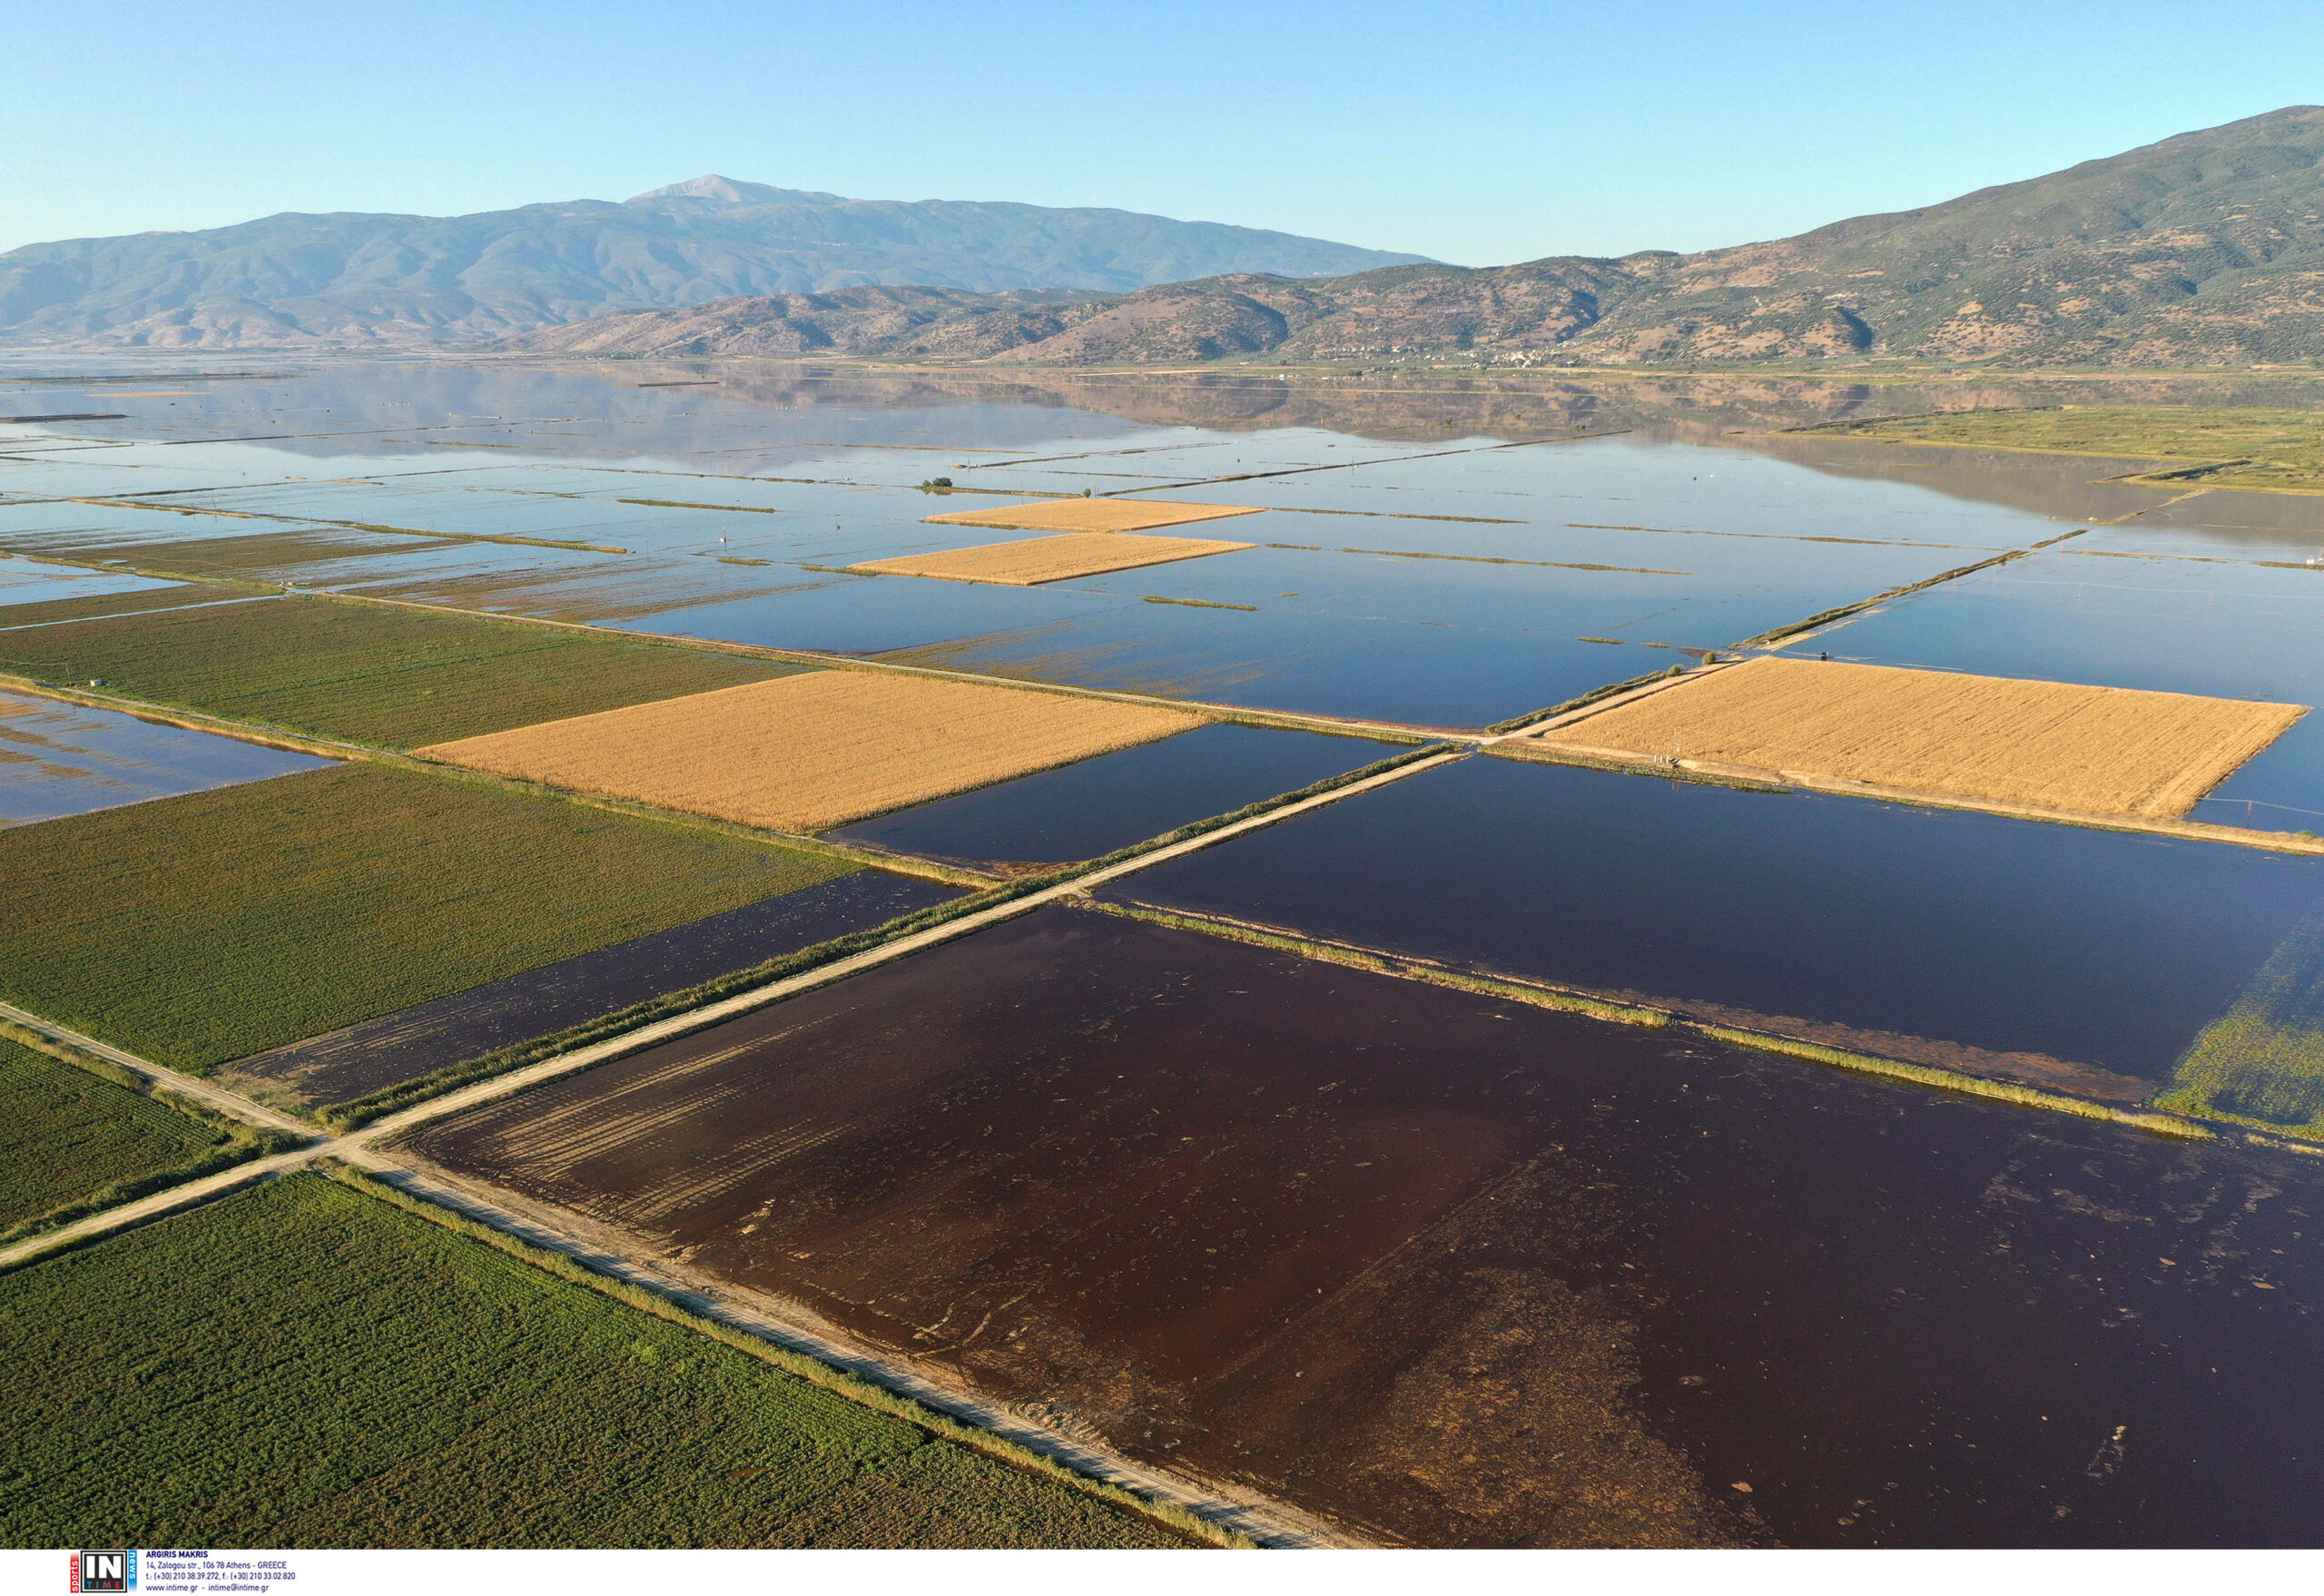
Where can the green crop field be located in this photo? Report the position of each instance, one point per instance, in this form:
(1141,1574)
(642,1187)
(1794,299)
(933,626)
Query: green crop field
(303,1365)
(43,612)
(397,678)
(197,929)
(2243,446)
(65,1134)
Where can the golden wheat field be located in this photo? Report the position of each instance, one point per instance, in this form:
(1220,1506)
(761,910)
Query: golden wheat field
(1031,561)
(808,752)
(2095,749)
(1092,515)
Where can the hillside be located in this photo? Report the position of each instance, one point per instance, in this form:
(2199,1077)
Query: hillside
(2204,249)
(355,278)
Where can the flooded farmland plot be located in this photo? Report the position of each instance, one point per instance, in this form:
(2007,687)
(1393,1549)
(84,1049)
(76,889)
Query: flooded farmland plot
(2049,954)
(1465,1271)
(1086,810)
(59,758)
(358,1059)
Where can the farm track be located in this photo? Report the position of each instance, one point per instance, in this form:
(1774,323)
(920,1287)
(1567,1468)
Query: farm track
(1266,1522)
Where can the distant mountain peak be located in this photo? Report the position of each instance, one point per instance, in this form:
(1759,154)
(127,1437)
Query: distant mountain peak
(726,190)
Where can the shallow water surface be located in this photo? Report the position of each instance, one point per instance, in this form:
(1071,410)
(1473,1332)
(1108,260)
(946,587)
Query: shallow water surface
(1469,1273)
(58,759)
(2084,959)
(1116,799)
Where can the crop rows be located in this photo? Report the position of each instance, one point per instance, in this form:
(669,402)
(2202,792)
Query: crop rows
(197,929)
(65,1134)
(369,1379)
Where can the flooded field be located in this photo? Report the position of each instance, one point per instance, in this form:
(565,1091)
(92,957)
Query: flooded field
(1100,804)
(1434,1266)
(2051,954)
(1468,1272)
(357,1059)
(58,759)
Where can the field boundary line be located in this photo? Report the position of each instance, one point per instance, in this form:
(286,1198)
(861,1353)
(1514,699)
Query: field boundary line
(833,1361)
(107,1222)
(321,747)
(693,1019)
(1618,1012)
(208,1093)
(1778,637)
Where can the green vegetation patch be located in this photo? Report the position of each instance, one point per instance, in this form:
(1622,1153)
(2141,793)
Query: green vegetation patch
(2261,1063)
(397,678)
(43,612)
(2229,446)
(198,928)
(65,1134)
(304,1366)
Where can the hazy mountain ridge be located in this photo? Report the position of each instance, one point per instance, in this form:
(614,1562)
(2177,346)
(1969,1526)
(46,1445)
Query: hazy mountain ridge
(360,279)
(2202,250)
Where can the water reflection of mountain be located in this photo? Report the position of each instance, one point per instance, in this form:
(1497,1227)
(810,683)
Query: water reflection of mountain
(729,414)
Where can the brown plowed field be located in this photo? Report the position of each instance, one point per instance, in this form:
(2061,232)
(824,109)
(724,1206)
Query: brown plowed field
(1031,561)
(804,753)
(1093,514)
(2058,745)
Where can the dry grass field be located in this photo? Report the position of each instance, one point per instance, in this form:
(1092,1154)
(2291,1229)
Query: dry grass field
(1092,515)
(805,753)
(2094,750)
(1028,562)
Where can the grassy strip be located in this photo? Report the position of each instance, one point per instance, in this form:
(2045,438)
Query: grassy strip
(1481,560)
(1533,752)
(1823,617)
(688,504)
(1537,995)
(1950,1080)
(232,1141)
(360,1111)
(1592,696)
(838,1382)
(1543,996)
(1200,602)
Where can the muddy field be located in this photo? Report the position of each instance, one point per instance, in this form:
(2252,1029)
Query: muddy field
(1462,1271)
(2051,744)
(804,752)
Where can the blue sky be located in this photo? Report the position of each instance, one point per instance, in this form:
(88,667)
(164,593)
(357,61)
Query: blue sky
(1474,133)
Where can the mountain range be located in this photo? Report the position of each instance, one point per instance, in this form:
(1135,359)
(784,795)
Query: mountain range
(356,278)
(2204,249)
